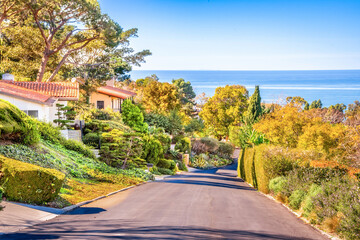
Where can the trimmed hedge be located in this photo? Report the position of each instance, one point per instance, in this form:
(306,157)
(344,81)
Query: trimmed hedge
(251,167)
(26,182)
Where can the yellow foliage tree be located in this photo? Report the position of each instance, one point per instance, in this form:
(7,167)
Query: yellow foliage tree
(225,109)
(160,97)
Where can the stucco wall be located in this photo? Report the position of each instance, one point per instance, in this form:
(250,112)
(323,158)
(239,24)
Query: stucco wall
(102,97)
(46,113)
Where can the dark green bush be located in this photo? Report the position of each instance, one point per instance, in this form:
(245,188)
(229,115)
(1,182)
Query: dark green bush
(158,120)
(165,171)
(164,163)
(92,139)
(25,182)
(152,150)
(78,147)
(183,145)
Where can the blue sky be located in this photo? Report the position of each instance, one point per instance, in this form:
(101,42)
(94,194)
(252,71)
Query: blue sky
(243,34)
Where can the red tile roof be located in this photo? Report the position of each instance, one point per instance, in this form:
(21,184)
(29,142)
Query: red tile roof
(61,90)
(116,92)
(23,93)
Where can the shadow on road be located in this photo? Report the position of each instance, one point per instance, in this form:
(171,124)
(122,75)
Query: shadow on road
(208,183)
(86,210)
(117,229)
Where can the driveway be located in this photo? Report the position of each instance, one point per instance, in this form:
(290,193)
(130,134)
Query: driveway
(211,204)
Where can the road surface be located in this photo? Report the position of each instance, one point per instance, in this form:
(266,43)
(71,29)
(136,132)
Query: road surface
(211,204)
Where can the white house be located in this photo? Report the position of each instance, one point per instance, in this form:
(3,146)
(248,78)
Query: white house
(38,99)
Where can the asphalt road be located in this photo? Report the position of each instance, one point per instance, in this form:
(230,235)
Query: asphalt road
(211,204)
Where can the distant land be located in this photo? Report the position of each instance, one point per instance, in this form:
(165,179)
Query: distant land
(331,86)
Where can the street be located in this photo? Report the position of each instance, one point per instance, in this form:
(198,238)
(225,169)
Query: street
(211,204)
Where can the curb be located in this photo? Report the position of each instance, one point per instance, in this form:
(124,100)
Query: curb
(295,213)
(72,207)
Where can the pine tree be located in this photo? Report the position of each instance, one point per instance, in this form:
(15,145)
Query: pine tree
(254,110)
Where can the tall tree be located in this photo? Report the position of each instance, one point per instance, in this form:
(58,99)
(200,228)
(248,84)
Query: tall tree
(225,109)
(254,110)
(68,26)
(316,104)
(10,9)
(160,97)
(185,90)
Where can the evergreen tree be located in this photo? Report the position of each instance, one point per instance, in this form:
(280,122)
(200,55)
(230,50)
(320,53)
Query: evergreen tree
(307,106)
(316,104)
(254,109)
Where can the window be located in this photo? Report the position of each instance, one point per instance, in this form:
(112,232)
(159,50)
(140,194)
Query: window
(32,113)
(100,104)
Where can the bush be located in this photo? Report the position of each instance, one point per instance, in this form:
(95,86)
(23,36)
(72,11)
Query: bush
(29,183)
(164,163)
(211,144)
(165,141)
(308,205)
(49,132)
(165,171)
(16,126)
(225,150)
(158,120)
(152,150)
(183,145)
(92,139)
(78,147)
(133,117)
(277,184)
(296,198)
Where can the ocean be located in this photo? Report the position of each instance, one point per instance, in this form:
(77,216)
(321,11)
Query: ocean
(331,86)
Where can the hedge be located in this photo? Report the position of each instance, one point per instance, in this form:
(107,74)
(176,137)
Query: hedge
(251,167)
(28,183)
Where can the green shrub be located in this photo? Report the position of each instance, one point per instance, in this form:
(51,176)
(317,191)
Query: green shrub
(182,165)
(136,163)
(92,139)
(118,148)
(49,132)
(16,126)
(225,150)
(165,171)
(166,163)
(25,182)
(277,184)
(296,198)
(183,145)
(165,141)
(308,205)
(158,120)
(152,150)
(78,147)
(133,117)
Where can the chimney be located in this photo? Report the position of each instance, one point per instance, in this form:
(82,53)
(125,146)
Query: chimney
(8,77)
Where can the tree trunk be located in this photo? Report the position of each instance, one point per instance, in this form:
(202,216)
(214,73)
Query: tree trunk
(41,72)
(57,68)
